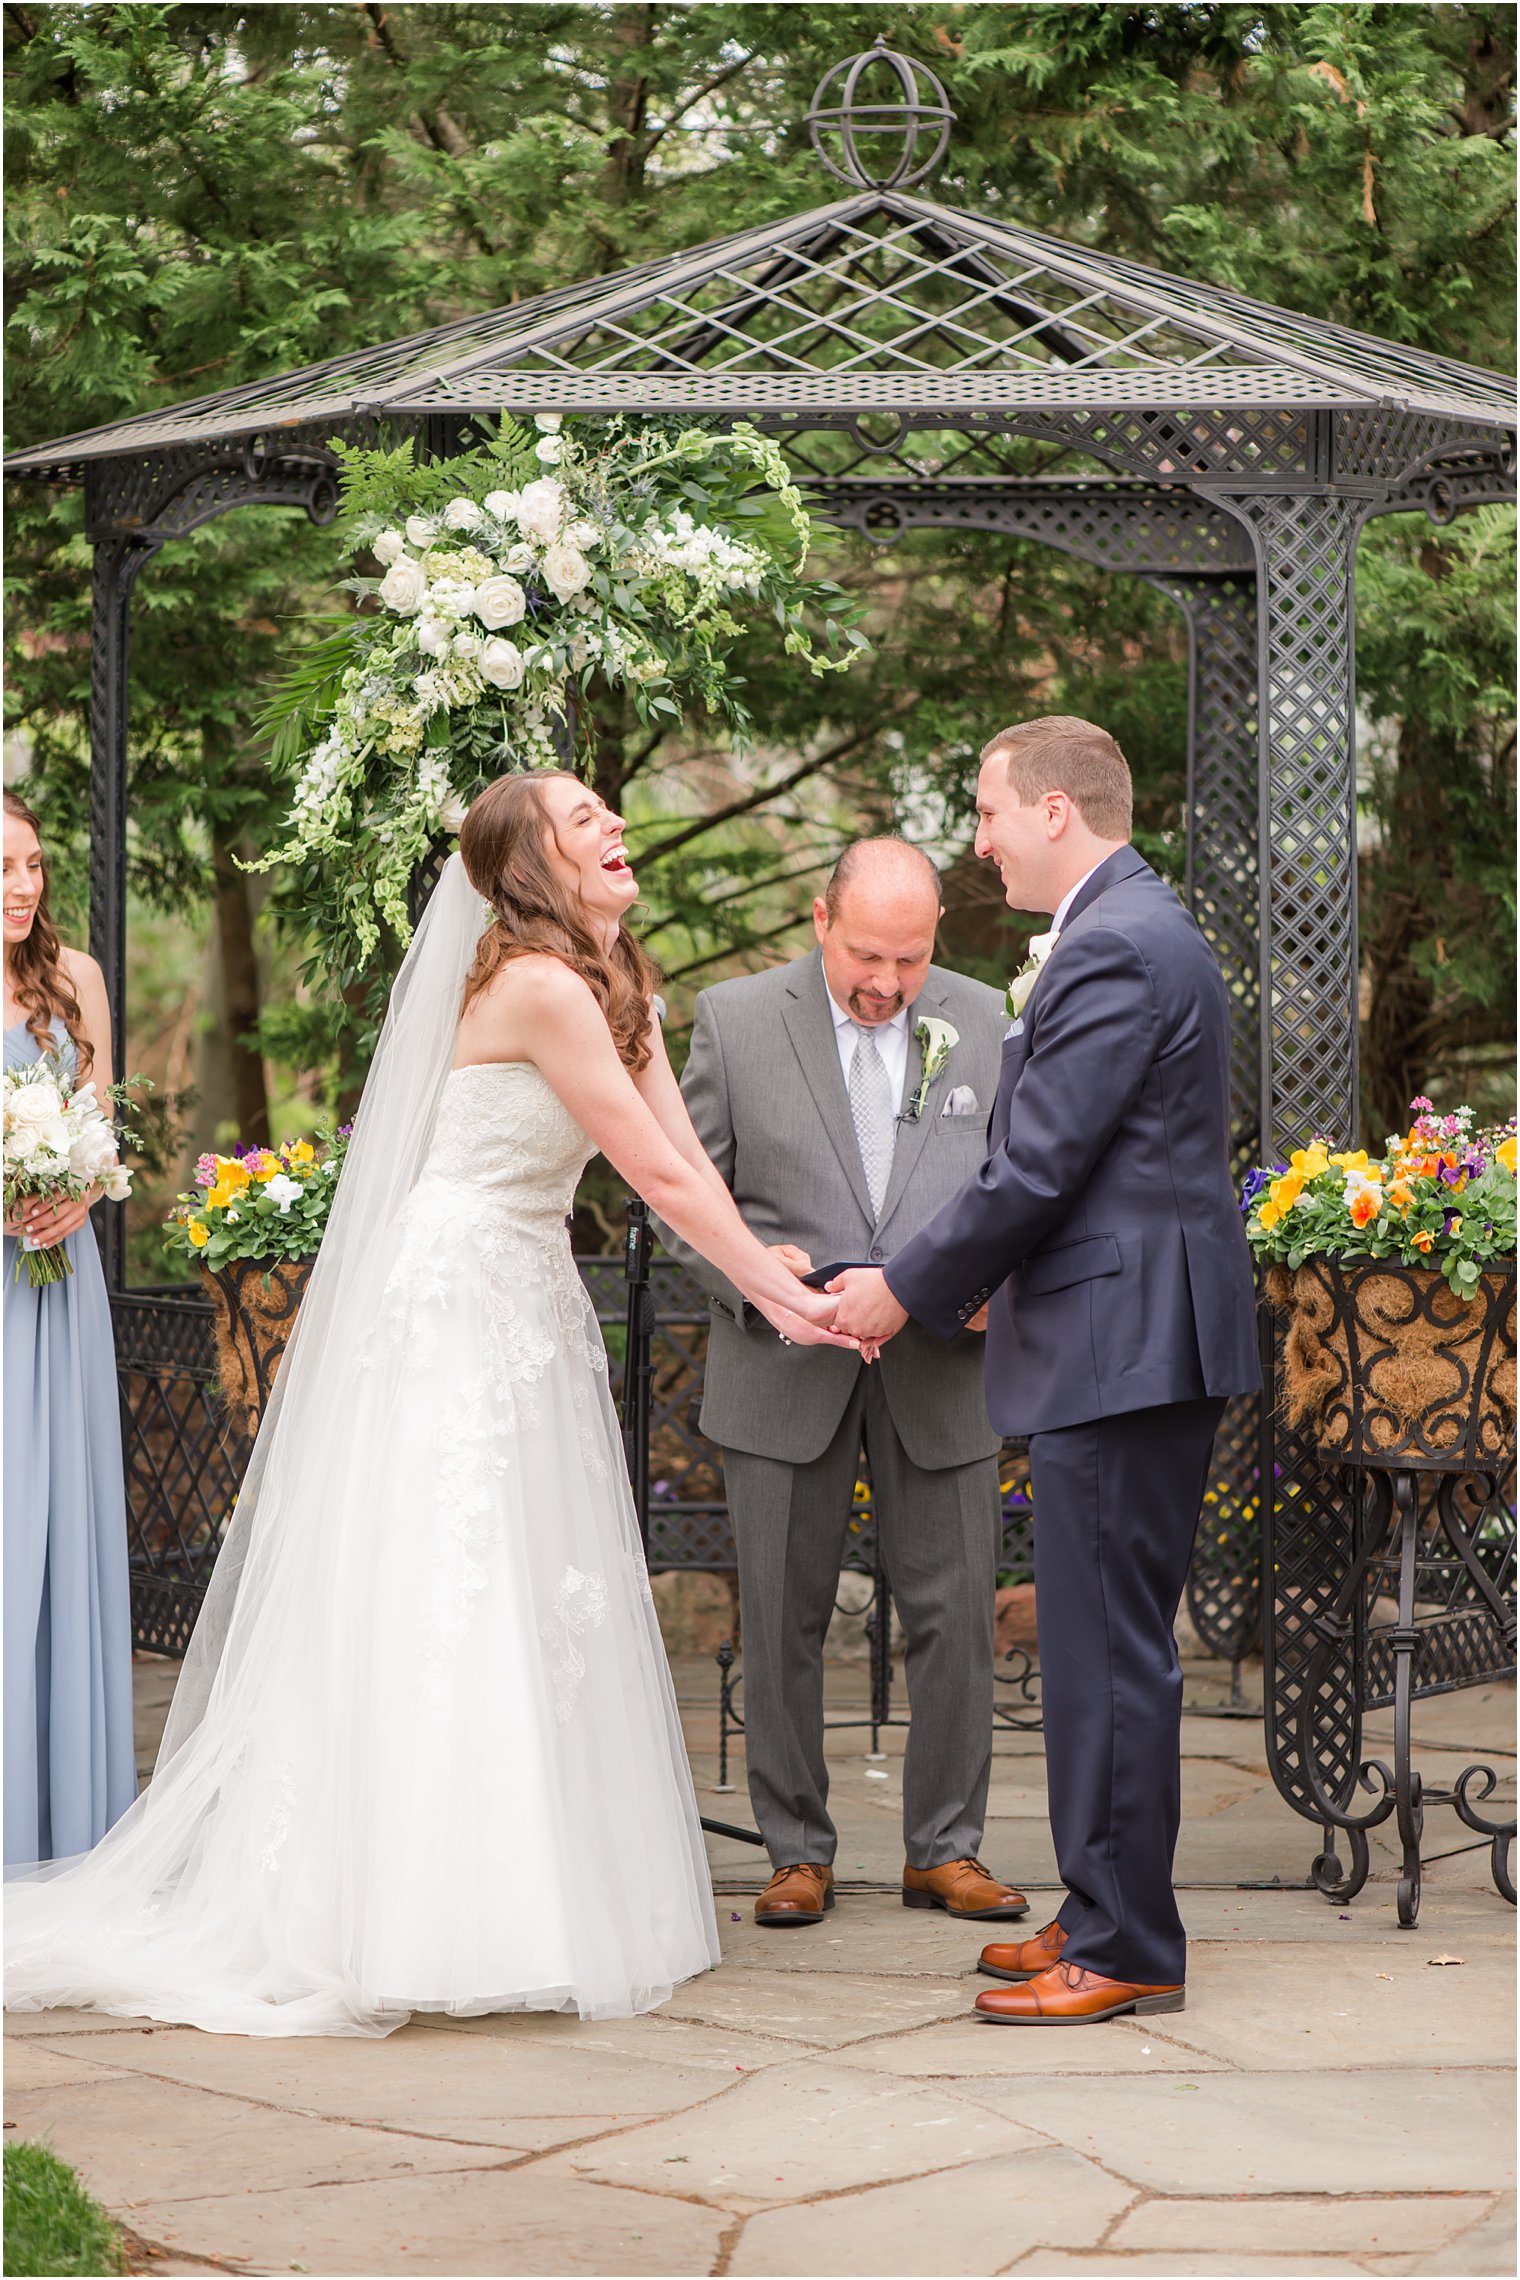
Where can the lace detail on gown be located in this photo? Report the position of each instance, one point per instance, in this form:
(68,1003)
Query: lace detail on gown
(474,1680)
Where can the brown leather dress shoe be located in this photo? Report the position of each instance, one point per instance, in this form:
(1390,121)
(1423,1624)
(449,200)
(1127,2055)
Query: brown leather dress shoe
(963,1888)
(1023,1959)
(1068,1996)
(802,1894)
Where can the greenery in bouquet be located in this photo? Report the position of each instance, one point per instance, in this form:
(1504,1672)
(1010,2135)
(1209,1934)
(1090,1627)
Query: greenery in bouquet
(1441,1196)
(59,1142)
(511,577)
(268,1204)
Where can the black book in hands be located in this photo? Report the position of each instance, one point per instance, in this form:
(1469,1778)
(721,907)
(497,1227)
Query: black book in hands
(821,1277)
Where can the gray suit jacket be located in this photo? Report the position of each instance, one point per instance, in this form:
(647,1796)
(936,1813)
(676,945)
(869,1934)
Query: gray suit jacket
(767,1095)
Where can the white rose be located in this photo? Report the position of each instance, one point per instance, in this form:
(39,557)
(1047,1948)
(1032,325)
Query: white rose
(433,637)
(565,571)
(582,536)
(499,601)
(117,1183)
(466,645)
(550,450)
(550,422)
(520,558)
(29,1107)
(452,813)
(462,514)
(541,508)
(502,504)
(403,586)
(421,530)
(389,546)
(501,662)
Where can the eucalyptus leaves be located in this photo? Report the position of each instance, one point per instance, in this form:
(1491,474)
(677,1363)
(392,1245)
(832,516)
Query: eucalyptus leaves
(511,575)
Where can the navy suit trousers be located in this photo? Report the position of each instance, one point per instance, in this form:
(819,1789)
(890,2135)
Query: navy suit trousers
(1116,1509)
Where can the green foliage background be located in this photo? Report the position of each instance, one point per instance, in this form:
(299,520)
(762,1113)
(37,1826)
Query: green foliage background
(200,195)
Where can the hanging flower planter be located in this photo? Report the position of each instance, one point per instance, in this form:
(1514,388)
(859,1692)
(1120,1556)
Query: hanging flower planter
(1399,1280)
(253,1226)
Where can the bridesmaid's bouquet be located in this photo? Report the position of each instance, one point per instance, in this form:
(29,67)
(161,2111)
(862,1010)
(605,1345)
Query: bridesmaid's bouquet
(58,1142)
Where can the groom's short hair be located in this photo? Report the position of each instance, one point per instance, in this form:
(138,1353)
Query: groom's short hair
(1063,754)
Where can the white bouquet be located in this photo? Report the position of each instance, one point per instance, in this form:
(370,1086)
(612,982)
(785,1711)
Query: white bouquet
(58,1142)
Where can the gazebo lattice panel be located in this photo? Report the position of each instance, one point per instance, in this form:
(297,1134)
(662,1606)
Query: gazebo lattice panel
(935,368)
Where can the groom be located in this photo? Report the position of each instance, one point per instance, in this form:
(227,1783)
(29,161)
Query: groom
(1103,1231)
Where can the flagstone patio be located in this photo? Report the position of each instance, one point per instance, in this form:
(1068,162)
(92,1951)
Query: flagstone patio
(1338,2096)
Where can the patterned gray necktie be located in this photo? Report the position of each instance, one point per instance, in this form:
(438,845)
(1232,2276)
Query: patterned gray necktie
(873,1112)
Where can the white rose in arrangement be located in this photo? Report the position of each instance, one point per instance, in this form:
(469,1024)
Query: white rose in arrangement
(565,571)
(462,514)
(389,546)
(421,530)
(499,601)
(117,1183)
(433,637)
(452,813)
(550,450)
(541,508)
(403,586)
(29,1107)
(501,662)
(502,504)
(520,558)
(466,645)
(582,536)
(550,422)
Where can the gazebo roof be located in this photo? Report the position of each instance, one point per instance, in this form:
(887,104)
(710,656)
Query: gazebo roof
(879,301)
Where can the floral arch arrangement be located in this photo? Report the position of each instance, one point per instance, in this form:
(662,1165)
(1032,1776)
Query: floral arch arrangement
(511,575)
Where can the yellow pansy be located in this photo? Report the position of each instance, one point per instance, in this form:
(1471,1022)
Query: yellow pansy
(299,1154)
(1352,1160)
(1309,1162)
(199,1233)
(1287,1190)
(1268,1216)
(1505,1152)
(264,1165)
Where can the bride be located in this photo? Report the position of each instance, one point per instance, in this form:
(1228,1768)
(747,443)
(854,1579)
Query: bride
(424,1752)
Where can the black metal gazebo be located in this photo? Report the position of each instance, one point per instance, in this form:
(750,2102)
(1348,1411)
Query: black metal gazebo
(922,364)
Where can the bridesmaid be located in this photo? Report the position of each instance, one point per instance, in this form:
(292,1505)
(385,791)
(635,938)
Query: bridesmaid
(69,1765)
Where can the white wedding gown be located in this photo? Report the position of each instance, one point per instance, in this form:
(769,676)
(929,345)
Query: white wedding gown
(439,1764)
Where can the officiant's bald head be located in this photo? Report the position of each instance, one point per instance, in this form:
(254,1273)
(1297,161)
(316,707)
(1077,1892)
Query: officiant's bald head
(875,923)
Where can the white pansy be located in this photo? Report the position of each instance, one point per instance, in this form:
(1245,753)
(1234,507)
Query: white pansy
(462,514)
(550,450)
(502,504)
(501,662)
(541,508)
(499,602)
(283,1191)
(403,586)
(433,637)
(389,546)
(421,530)
(452,814)
(565,571)
(550,422)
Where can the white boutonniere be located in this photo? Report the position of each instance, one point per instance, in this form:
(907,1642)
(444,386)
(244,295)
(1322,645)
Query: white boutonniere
(1017,994)
(935,1039)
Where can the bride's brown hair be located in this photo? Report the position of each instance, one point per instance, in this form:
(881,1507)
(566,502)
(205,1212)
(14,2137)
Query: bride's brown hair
(504,844)
(39,977)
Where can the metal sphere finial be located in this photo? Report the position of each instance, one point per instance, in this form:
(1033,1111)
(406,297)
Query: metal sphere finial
(924,110)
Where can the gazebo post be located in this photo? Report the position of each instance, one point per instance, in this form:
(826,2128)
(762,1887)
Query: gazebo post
(117,559)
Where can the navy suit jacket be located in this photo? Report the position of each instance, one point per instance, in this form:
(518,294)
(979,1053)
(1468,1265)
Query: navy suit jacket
(1103,1227)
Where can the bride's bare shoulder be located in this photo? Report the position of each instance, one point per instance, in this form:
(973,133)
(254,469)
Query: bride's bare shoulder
(537,978)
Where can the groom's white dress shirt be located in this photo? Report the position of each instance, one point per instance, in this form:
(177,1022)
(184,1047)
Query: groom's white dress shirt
(891,1039)
(1070,896)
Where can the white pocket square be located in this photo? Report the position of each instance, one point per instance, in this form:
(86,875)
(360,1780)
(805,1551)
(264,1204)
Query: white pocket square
(1014,1029)
(961,1101)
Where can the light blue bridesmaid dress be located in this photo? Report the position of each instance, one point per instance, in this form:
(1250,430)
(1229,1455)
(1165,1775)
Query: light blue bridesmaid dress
(69,1766)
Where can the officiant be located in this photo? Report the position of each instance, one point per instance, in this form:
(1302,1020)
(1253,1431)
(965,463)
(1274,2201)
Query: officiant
(844,1098)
